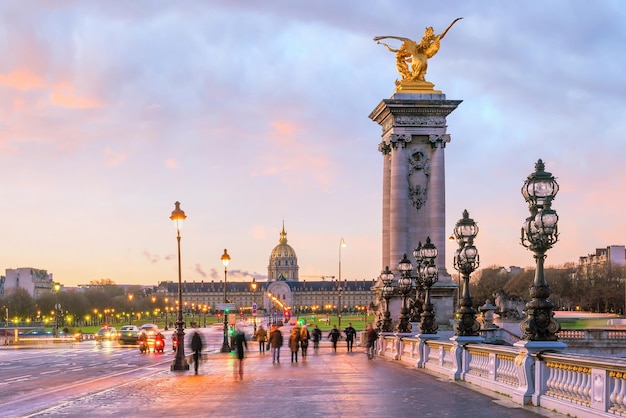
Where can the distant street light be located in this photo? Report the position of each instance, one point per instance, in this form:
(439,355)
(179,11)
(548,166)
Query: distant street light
(225,260)
(342,244)
(253,285)
(57,309)
(130,314)
(180,363)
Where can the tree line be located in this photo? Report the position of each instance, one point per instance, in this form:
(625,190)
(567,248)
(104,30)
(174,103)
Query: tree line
(572,287)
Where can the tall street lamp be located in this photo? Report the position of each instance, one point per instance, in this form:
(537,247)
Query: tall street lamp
(387,291)
(130,297)
(405,285)
(342,244)
(166,309)
(539,234)
(428,275)
(225,260)
(465,262)
(180,363)
(253,285)
(57,308)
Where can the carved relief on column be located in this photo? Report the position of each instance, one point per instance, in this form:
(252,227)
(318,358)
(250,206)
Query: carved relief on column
(418,177)
(396,140)
(384,148)
(439,141)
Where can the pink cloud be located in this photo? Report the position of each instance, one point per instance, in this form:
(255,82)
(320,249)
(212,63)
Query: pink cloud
(22,80)
(64,96)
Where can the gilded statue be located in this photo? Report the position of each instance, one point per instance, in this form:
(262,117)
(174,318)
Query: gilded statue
(412,57)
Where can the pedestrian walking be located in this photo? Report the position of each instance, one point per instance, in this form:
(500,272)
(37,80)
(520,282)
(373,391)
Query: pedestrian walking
(316,336)
(261,337)
(333,336)
(276,341)
(294,343)
(350,335)
(371,336)
(239,341)
(304,341)
(196,347)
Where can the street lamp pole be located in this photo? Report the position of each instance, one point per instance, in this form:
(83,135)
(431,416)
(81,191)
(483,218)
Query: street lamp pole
(57,309)
(180,362)
(225,260)
(466,261)
(539,234)
(342,244)
(253,285)
(130,308)
(387,291)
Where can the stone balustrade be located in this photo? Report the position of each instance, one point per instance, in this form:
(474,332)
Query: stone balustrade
(578,385)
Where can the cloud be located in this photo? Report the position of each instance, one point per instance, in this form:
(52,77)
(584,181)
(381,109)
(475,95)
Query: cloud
(22,80)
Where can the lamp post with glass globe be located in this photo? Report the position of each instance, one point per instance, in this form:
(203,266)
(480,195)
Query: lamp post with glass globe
(225,260)
(428,275)
(387,291)
(539,234)
(405,285)
(466,261)
(180,362)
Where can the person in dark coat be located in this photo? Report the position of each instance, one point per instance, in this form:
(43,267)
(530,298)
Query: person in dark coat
(196,347)
(276,341)
(317,337)
(350,336)
(261,337)
(333,336)
(239,341)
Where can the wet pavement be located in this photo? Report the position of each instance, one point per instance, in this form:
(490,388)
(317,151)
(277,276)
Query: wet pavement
(325,384)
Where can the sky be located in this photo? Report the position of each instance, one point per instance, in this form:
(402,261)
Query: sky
(252,114)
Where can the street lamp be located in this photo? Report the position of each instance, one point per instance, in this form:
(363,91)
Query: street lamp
(465,262)
(387,291)
(130,301)
(253,285)
(428,275)
(180,363)
(57,308)
(405,285)
(342,244)
(539,234)
(166,309)
(225,260)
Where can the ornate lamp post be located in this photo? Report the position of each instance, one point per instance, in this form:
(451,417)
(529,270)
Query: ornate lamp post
(225,260)
(387,277)
(465,262)
(428,275)
(342,244)
(539,234)
(180,363)
(405,285)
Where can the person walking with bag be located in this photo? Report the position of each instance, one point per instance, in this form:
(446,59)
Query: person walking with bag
(317,336)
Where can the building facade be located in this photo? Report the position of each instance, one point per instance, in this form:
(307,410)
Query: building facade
(35,281)
(282,294)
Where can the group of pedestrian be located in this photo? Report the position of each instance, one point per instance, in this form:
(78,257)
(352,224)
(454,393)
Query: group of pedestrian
(298,340)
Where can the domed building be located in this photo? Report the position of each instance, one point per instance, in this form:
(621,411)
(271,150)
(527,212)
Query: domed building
(283,261)
(282,296)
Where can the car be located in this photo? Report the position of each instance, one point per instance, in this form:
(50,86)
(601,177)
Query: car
(106,333)
(128,334)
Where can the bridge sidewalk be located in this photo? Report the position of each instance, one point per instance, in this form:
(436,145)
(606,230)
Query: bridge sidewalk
(326,384)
